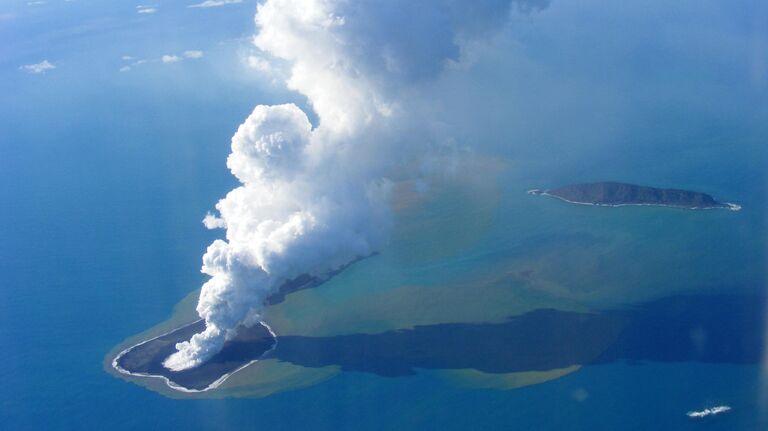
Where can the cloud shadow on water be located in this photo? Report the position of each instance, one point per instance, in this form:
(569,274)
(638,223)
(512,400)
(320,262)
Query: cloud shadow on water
(710,329)
(722,328)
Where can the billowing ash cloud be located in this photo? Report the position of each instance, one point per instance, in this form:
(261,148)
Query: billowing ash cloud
(315,198)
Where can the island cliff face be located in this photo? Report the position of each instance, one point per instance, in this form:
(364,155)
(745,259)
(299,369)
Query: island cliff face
(617,194)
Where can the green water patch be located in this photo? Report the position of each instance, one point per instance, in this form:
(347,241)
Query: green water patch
(604,256)
(412,282)
(475,249)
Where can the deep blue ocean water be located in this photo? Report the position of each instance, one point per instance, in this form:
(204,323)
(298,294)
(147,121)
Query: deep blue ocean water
(105,176)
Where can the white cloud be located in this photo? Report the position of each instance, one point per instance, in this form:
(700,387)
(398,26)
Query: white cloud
(126,58)
(41,67)
(171,59)
(145,9)
(132,65)
(215,3)
(36,3)
(212,222)
(193,54)
(259,64)
(709,412)
(313,199)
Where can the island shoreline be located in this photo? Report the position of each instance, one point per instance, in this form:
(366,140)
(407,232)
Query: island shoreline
(729,206)
(174,385)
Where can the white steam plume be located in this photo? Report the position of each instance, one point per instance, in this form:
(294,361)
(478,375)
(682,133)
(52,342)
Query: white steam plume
(314,199)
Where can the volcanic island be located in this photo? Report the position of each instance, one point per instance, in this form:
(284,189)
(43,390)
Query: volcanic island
(615,194)
(250,344)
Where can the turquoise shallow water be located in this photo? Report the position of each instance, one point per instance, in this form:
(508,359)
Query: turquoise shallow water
(104,179)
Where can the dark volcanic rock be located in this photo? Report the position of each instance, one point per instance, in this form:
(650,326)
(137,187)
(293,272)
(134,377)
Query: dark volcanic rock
(147,358)
(249,345)
(613,193)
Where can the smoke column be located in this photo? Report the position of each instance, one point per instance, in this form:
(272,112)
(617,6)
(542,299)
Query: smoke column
(312,199)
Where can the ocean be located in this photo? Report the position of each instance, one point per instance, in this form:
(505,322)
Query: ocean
(105,177)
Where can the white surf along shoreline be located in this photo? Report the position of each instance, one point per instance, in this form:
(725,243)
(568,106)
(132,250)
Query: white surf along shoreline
(178,387)
(539,192)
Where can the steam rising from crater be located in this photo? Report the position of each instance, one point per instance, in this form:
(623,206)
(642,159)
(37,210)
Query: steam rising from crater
(314,199)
